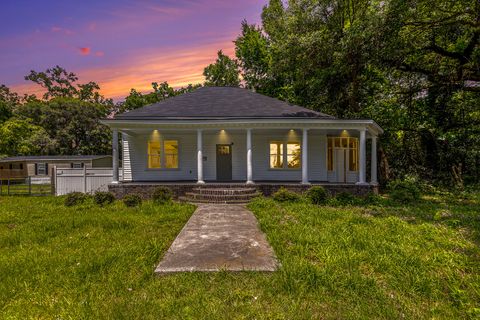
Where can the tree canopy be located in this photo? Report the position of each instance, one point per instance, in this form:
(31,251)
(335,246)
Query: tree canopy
(224,72)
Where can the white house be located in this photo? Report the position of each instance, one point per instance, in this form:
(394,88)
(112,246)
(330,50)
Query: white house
(234,135)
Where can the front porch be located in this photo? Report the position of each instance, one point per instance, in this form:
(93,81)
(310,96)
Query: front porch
(323,153)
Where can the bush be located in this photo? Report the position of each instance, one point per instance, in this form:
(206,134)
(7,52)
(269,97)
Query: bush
(162,195)
(404,191)
(283,195)
(317,195)
(75,198)
(103,198)
(132,200)
(346,198)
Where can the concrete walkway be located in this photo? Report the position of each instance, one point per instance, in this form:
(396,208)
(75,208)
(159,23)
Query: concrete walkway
(219,237)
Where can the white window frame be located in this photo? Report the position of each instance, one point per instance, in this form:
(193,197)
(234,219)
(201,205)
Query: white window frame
(284,154)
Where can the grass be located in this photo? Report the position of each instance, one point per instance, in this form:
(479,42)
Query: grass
(378,261)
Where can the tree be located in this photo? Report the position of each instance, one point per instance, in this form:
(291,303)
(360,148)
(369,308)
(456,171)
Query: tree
(160,92)
(253,52)
(21,137)
(72,123)
(8,101)
(58,82)
(224,72)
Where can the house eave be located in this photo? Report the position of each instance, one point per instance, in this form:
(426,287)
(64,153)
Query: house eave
(264,123)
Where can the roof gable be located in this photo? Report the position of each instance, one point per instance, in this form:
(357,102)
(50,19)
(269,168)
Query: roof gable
(221,102)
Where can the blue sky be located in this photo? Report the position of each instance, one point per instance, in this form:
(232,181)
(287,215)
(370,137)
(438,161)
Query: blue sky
(120,44)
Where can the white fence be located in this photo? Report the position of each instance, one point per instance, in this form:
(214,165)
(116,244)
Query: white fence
(87,180)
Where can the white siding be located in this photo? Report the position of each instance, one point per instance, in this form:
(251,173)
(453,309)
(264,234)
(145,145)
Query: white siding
(135,156)
(187,160)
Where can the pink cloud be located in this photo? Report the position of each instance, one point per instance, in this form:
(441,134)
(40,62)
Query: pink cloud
(85,51)
(99,53)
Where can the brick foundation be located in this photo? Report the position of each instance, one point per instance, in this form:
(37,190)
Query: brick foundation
(145,189)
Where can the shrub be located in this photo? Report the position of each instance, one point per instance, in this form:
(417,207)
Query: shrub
(75,198)
(317,195)
(162,195)
(346,198)
(404,191)
(132,200)
(283,195)
(102,198)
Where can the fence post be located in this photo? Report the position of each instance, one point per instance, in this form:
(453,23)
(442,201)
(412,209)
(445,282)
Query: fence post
(84,179)
(53,181)
(8,187)
(30,185)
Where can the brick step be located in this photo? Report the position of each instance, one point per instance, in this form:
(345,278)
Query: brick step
(224,191)
(221,197)
(187,199)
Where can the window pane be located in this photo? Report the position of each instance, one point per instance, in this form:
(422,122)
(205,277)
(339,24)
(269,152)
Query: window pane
(171,154)
(337,142)
(154,154)
(276,155)
(352,161)
(293,155)
(330,159)
(353,143)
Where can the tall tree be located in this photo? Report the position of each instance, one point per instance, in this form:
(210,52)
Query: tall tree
(224,72)
(253,52)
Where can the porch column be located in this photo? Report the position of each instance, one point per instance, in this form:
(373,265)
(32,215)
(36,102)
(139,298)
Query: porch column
(199,158)
(305,157)
(115,155)
(249,157)
(373,174)
(361,174)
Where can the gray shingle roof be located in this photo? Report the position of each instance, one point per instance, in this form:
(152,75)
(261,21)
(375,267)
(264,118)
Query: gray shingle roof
(52,158)
(223,103)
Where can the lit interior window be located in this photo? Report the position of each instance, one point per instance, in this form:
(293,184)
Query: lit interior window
(293,155)
(276,155)
(171,154)
(154,154)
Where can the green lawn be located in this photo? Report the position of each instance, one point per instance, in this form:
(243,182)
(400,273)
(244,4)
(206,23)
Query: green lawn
(379,261)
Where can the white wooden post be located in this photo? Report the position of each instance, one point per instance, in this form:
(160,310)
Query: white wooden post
(361,174)
(199,157)
(249,157)
(373,174)
(305,157)
(85,178)
(115,155)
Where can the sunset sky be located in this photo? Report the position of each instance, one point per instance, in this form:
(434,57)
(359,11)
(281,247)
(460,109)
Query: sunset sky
(120,44)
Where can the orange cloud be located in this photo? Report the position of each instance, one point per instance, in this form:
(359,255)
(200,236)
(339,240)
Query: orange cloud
(179,67)
(84,51)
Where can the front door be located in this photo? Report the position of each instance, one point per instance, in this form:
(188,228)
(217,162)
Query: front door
(340,165)
(224,162)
